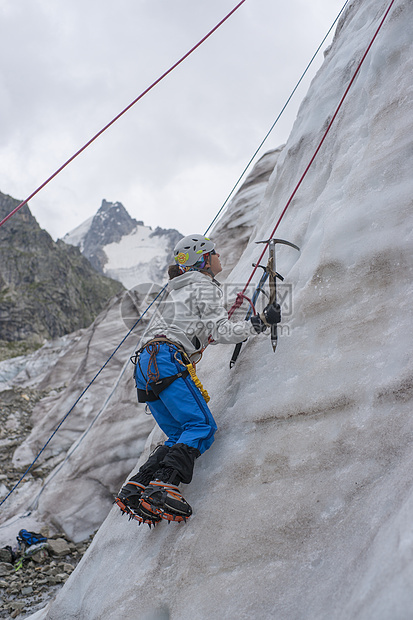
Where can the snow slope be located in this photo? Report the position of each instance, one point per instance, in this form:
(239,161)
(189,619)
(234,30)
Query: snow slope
(77,235)
(302,507)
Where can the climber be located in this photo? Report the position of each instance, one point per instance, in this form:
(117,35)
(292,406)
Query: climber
(191,316)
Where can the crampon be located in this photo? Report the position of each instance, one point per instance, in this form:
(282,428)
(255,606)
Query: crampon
(128,501)
(165,502)
(137,514)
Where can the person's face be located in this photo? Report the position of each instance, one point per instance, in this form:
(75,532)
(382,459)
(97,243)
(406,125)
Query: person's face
(215,263)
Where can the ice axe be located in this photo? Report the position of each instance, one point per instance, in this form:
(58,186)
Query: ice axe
(259,289)
(273,275)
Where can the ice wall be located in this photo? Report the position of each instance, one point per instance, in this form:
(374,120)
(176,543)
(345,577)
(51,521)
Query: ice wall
(303,505)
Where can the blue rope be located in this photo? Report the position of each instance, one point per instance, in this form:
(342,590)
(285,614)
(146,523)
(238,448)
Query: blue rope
(276,120)
(81,395)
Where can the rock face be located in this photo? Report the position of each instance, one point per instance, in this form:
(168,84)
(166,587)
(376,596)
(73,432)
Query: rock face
(123,248)
(47,289)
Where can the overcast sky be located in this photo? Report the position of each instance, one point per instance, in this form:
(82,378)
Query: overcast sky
(68,67)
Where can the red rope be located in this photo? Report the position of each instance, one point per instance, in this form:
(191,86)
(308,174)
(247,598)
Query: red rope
(121,113)
(236,304)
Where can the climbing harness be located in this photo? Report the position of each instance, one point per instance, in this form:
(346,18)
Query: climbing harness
(154,384)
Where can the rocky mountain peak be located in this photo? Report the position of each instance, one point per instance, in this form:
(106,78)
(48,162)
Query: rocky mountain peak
(109,225)
(122,247)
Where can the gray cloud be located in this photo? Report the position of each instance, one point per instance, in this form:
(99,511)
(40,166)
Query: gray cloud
(67,68)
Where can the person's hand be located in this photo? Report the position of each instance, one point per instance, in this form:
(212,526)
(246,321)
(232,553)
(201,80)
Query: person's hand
(271,315)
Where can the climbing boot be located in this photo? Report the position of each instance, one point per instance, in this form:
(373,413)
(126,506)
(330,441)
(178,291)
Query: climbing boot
(162,497)
(165,501)
(129,496)
(128,500)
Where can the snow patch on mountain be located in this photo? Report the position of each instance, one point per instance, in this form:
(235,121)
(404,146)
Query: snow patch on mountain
(138,257)
(123,248)
(77,235)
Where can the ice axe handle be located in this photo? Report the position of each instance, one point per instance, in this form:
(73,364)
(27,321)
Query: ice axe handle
(235,354)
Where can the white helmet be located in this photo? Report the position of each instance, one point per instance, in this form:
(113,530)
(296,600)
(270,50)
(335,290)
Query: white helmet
(189,250)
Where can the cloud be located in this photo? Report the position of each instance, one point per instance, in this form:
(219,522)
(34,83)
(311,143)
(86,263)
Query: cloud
(68,68)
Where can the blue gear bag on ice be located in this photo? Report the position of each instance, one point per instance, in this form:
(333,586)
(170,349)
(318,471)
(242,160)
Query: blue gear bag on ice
(30,538)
